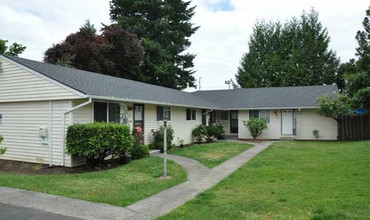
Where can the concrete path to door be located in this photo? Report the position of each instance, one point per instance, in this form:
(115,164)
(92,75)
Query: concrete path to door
(200,178)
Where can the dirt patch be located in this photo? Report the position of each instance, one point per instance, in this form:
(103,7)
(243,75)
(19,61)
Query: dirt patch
(255,140)
(18,167)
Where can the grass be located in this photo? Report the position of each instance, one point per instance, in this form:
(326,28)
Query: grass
(291,180)
(212,154)
(120,186)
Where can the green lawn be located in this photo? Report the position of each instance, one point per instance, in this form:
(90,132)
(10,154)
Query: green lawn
(212,154)
(120,186)
(291,180)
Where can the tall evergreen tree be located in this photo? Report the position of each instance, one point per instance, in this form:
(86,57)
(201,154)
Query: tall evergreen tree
(164,28)
(291,54)
(358,84)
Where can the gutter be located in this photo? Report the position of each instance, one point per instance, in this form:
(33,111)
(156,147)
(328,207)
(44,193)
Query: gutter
(64,126)
(147,102)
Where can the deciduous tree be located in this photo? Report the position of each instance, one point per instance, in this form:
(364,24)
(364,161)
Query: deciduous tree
(13,50)
(115,52)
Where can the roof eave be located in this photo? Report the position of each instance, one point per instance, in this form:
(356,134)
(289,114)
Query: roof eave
(148,102)
(271,108)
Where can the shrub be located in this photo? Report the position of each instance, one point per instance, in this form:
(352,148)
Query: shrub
(222,134)
(214,131)
(158,138)
(255,126)
(199,132)
(96,141)
(2,149)
(139,151)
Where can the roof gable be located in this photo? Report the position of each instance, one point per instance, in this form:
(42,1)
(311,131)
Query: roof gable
(18,83)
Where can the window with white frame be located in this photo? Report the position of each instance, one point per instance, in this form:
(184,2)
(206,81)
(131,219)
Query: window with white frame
(106,112)
(163,113)
(191,114)
(265,114)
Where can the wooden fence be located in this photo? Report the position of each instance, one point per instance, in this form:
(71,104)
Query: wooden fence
(354,127)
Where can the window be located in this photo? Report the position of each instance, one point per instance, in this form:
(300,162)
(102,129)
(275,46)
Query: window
(104,112)
(163,113)
(191,114)
(224,115)
(114,112)
(100,112)
(265,114)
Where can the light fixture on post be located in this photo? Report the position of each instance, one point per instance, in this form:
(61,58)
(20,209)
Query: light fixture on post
(164,148)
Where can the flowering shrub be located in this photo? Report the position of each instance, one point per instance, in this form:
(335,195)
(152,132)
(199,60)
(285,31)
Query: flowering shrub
(158,137)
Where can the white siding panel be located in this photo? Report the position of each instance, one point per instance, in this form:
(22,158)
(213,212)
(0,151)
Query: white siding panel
(17,84)
(82,115)
(20,129)
(59,107)
(309,120)
(182,127)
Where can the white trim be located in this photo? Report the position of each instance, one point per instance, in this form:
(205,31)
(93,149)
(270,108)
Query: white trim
(76,92)
(64,126)
(145,102)
(271,108)
(50,133)
(107,111)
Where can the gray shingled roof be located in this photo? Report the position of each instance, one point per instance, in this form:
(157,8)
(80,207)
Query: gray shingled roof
(95,84)
(262,98)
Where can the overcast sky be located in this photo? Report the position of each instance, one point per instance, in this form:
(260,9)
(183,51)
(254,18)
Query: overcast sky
(225,27)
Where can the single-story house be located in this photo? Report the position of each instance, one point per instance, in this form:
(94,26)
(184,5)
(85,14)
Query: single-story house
(38,101)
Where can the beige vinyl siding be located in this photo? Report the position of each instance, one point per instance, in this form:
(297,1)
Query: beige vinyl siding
(309,120)
(20,129)
(225,123)
(82,115)
(59,107)
(273,130)
(17,85)
(182,127)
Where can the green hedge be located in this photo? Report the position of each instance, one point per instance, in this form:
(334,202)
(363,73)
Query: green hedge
(96,141)
(139,151)
(2,149)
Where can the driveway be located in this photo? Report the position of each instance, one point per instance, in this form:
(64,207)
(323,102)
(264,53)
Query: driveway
(14,212)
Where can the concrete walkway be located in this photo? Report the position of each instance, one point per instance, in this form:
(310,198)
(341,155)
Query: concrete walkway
(200,178)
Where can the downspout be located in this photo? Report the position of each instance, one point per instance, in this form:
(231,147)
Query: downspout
(50,133)
(206,113)
(64,126)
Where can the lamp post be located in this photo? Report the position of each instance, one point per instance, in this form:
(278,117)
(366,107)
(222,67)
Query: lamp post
(165,148)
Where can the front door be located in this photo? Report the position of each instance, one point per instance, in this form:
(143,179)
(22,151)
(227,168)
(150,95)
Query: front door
(139,122)
(287,121)
(234,122)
